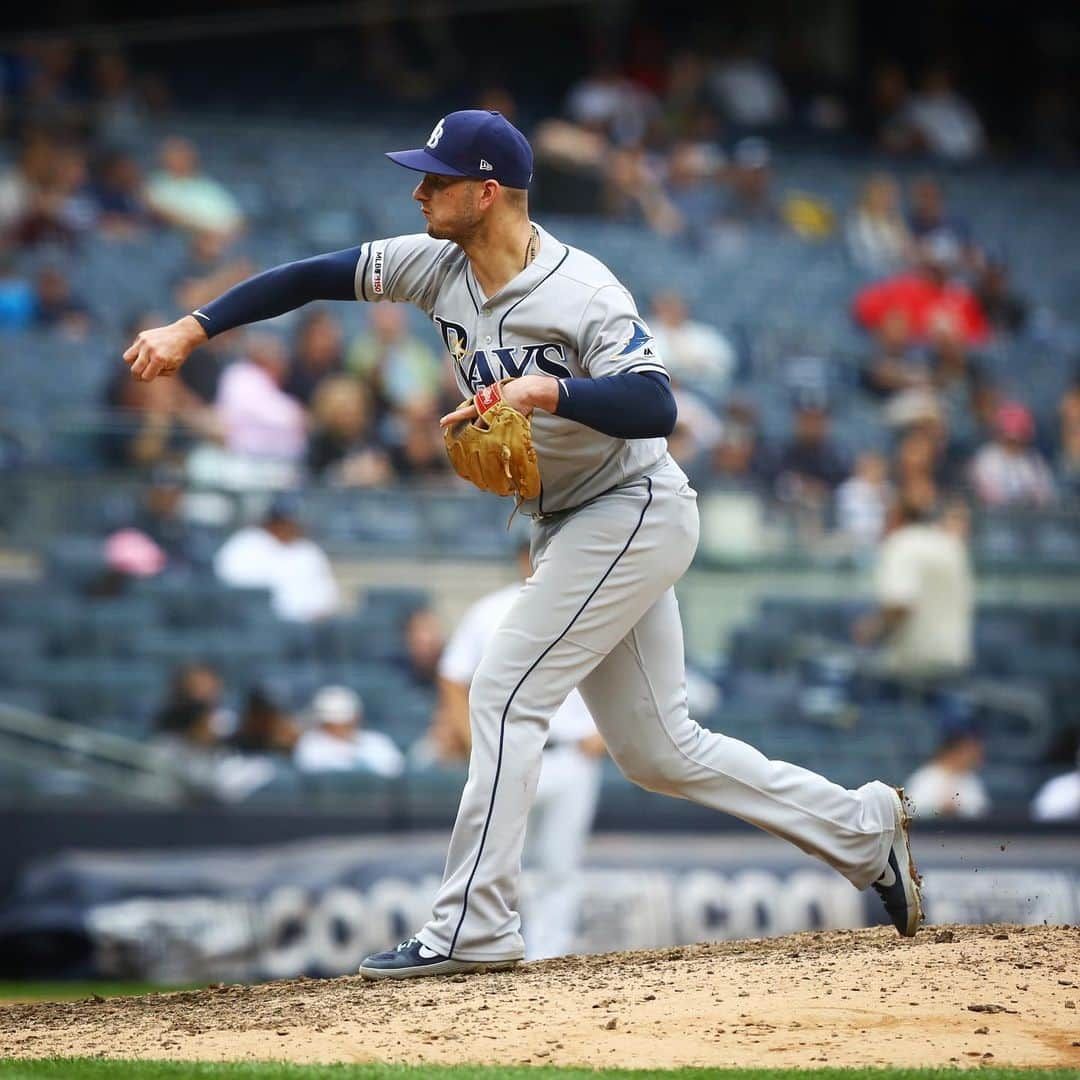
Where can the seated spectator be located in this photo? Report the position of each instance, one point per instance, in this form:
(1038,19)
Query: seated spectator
(634,193)
(193,752)
(336,741)
(1059,798)
(1010,471)
(698,429)
(18,301)
(61,209)
(152,423)
(1069,443)
(685,105)
(127,555)
(424,642)
(750,199)
(118,195)
(920,465)
(877,236)
(894,366)
(935,227)
(695,353)
(954,373)
(160,516)
(209,270)
(182,195)
(1006,310)
(883,107)
(747,89)
(196,683)
(609,104)
(416,448)
(265,727)
(399,368)
(258,417)
(740,460)
(924,296)
(863,500)
(56,308)
(941,122)
(276,555)
(119,108)
(342,447)
(810,468)
(949,784)
(692,187)
(23,184)
(317,353)
(924,591)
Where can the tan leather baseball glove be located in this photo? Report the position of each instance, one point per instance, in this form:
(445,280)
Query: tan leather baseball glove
(495,450)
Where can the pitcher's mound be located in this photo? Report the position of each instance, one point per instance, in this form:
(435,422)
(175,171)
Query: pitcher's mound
(1002,995)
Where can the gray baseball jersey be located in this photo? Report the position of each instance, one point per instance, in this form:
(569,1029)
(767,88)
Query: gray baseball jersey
(564,315)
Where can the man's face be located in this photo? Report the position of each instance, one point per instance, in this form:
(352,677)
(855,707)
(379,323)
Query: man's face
(449,204)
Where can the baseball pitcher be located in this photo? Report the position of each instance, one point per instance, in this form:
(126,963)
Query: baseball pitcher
(567,408)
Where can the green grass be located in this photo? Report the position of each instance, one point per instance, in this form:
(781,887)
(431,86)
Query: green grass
(92,1069)
(73,991)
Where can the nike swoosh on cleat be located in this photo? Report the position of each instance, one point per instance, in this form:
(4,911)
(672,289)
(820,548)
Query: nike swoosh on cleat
(888,878)
(426,953)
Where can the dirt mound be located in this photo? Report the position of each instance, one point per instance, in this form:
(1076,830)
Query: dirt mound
(1006,995)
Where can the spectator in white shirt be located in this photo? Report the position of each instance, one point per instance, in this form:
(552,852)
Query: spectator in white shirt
(862,501)
(259,418)
(276,555)
(337,742)
(696,354)
(925,593)
(1009,471)
(877,235)
(941,122)
(1059,799)
(607,102)
(949,784)
(748,90)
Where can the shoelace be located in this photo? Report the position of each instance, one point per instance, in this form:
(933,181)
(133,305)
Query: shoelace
(406,944)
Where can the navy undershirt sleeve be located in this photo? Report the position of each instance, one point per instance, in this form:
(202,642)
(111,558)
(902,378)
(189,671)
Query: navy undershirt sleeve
(284,288)
(629,405)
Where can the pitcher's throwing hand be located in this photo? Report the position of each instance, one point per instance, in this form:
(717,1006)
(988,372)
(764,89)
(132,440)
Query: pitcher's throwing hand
(163,350)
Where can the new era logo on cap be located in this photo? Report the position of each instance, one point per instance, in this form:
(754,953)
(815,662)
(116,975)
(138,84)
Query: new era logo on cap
(473,142)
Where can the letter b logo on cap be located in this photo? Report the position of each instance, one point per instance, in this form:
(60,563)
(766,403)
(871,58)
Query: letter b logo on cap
(436,135)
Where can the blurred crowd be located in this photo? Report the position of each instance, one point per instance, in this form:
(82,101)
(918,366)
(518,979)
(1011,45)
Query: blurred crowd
(680,147)
(681,144)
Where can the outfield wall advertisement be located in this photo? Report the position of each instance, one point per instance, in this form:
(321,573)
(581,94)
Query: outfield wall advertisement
(317,907)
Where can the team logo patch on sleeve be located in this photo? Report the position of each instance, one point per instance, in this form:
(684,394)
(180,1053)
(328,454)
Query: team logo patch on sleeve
(639,342)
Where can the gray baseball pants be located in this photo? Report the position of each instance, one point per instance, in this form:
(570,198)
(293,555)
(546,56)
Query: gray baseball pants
(599,613)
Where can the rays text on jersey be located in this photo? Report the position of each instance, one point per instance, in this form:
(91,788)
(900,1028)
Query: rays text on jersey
(486,366)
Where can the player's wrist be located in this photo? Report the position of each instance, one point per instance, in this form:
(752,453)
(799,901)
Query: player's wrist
(544,393)
(194,331)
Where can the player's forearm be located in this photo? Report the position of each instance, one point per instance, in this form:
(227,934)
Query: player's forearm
(283,288)
(630,405)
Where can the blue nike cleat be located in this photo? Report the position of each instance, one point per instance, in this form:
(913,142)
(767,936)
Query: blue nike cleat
(899,884)
(413,960)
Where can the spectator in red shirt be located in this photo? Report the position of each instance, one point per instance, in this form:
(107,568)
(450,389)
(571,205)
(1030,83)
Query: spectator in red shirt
(924,295)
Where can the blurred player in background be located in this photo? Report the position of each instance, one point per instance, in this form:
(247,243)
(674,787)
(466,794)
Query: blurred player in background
(566,795)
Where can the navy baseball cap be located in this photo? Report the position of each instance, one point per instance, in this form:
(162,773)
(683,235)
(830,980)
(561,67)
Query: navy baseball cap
(476,143)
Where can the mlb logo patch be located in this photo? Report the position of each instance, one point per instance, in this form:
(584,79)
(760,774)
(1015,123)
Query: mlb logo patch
(377,258)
